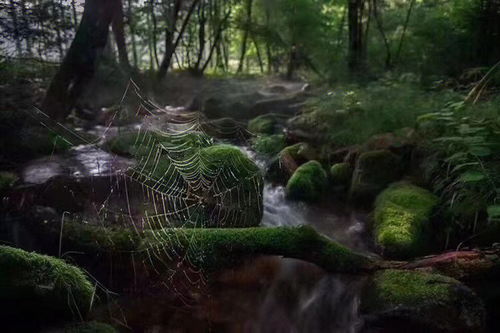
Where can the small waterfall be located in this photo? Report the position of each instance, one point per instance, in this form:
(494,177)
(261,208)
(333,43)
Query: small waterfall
(303,298)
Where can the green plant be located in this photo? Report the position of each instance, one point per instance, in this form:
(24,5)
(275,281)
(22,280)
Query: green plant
(466,167)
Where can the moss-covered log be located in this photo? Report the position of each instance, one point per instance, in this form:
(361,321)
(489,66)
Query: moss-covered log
(214,248)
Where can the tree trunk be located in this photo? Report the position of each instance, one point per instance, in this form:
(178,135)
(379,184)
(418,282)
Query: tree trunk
(118,31)
(80,63)
(169,52)
(246,32)
(132,33)
(356,57)
(15,25)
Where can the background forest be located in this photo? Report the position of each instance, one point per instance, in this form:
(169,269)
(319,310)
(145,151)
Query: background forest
(162,154)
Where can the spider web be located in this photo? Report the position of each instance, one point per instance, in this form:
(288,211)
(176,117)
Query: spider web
(184,183)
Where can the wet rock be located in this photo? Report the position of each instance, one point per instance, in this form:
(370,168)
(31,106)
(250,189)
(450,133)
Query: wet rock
(288,160)
(40,289)
(235,200)
(7,179)
(225,128)
(264,124)
(402,220)
(340,175)
(269,144)
(374,170)
(413,301)
(307,183)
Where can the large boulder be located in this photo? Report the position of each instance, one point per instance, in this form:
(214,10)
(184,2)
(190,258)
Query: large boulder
(282,167)
(340,175)
(402,220)
(266,124)
(41,288)
(308,182)
(374,170)
(413,301)
(269,144)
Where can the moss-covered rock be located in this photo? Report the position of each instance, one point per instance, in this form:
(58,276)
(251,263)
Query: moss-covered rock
(282,167)
(374,170)
(413,301)
(269,144)
(7,179)
(41,288)
(265,124)
(235,199)
(341,174)
(307,183)
(90,327)
(301,152)
(402,218)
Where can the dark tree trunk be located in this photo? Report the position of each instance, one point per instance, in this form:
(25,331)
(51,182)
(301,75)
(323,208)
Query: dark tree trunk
(356,57)
(80,63)
(118,31)
(132,32)
(170,49)
(489,32)
(246,32)
(15,26)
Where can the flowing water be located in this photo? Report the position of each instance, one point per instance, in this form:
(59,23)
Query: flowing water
(265,295)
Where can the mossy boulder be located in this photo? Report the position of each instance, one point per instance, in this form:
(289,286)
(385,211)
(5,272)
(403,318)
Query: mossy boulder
(413,301)
(234,197)
(341,174)
(282,167)
(308,182)
(41,288)
(7,179)
(374,170)
(265,124)
(269,144)
(402,220)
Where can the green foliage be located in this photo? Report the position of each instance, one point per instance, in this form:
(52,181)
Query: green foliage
(352,114)
(465,140)
(402,218)
(307,183)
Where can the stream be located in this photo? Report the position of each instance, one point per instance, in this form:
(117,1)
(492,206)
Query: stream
(267,294)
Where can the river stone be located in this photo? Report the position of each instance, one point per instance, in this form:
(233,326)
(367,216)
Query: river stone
(414,301)
(41,288)
(374,170)
(402,220)
(307,183)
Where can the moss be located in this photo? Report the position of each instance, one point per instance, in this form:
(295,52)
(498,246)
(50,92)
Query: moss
(41,288)
(90,327)
(213,249)
(402,214)
(7,179)
(264,124)
(299,152)
(341,174)
(307,183)
(424,300)
(373,172)
(269,144)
